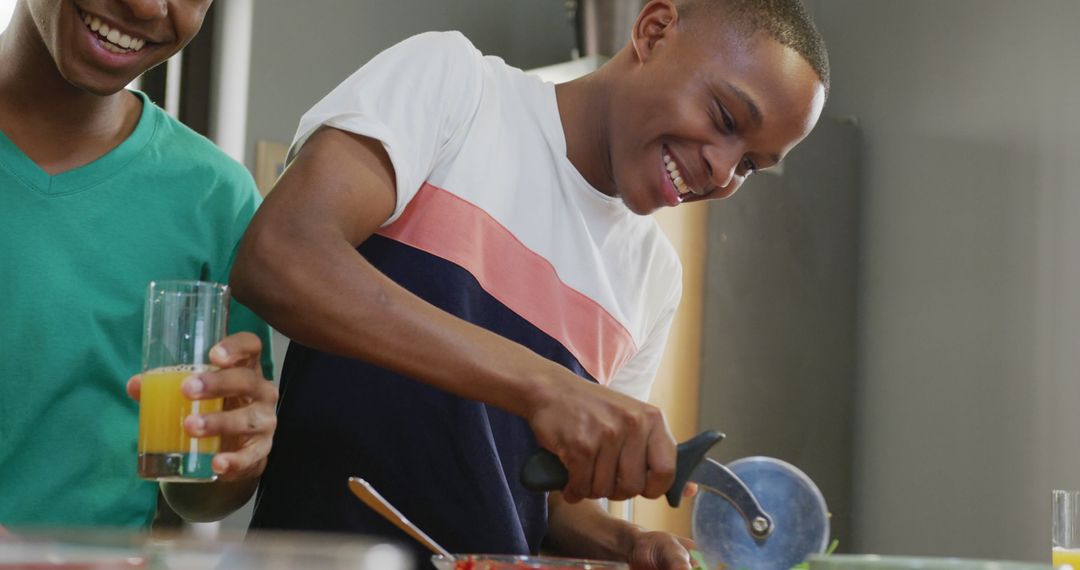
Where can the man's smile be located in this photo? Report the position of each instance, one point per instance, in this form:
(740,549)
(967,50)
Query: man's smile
(112,38)
(676,175)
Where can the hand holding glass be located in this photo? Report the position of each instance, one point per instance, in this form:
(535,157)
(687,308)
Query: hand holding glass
(183,320)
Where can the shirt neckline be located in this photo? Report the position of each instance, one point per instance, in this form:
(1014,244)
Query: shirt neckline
(13,159)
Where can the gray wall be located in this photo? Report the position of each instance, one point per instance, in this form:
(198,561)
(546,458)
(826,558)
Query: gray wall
(302,50)
(778,339)
(969,344)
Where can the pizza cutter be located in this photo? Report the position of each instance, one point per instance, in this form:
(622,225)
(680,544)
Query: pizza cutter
(761,514)
(800,518)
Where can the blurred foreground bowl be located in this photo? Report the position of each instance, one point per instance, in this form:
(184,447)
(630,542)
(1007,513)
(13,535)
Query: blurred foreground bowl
(874,562)
(509,562)
(118,550)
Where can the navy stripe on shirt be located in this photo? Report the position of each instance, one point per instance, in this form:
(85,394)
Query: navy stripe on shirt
(450,465)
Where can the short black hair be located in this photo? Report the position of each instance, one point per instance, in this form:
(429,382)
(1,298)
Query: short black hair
(786,21)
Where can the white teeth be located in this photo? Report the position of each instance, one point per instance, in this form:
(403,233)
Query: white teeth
(676,176)
(116,41)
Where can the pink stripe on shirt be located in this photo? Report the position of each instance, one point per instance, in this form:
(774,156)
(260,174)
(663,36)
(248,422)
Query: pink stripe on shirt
(447,226)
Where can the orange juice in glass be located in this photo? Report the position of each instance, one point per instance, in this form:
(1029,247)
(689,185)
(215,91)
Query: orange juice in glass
(183,320)
(1066,556)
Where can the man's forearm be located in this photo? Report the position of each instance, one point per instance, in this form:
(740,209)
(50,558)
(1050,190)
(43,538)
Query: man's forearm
(197,502)
(585,530)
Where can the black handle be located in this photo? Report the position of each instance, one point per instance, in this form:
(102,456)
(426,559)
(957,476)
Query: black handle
(544,472)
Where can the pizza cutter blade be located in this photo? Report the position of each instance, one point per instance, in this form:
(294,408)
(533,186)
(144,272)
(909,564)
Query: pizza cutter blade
(796,507)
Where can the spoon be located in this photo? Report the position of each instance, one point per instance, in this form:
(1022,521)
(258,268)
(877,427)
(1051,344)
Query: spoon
(373,499)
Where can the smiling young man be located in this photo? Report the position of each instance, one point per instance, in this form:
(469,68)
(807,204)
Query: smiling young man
(103,192)
(460,253)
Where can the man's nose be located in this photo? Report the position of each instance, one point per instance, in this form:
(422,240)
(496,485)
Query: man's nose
(722,163)
(147,9)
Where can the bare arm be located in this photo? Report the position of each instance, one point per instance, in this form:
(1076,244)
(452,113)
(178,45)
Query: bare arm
(325,295)
(337,192)
(584,530)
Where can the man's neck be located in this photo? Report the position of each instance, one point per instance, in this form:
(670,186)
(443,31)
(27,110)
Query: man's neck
(583,110)
(57,124)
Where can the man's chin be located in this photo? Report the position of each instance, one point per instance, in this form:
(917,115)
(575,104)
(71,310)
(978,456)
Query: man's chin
(95,82)
(641,209)
(102,88)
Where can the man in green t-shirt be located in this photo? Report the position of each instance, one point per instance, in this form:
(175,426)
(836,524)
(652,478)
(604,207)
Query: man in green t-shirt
(101,192)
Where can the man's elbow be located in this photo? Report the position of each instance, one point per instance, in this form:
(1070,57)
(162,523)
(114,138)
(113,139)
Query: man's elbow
(254,267)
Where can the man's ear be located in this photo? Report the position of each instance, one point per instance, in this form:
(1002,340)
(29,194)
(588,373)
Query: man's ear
(655,23)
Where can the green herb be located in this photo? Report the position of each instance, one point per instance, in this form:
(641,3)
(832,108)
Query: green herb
(699,560)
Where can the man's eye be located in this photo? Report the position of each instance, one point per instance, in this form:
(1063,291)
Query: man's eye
(725,123)
(729,124)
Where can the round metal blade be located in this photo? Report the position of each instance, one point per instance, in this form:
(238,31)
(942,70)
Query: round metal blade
(800,518)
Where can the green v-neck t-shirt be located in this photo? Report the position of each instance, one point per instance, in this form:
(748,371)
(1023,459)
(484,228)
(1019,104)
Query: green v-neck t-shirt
(77,251)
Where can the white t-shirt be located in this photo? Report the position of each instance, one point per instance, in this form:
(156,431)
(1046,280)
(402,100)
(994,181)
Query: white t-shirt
(483,181)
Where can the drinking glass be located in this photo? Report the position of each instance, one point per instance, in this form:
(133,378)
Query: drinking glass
(1066,528)
(183,320)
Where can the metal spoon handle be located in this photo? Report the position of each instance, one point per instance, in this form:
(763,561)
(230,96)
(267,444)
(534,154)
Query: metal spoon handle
(373,499)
